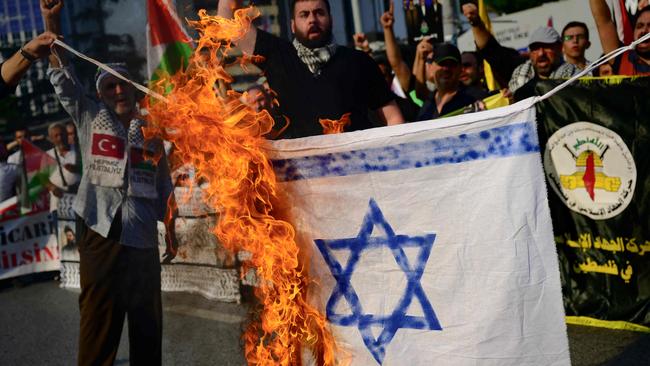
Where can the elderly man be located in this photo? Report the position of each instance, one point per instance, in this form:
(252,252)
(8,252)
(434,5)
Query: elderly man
(509,68)
(314,77)
(631,63)
(121,197)
(65,177)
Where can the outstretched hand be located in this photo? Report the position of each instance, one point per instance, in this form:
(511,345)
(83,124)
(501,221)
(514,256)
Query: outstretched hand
(39,47)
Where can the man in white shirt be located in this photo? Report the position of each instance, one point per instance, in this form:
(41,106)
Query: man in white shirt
(65,177)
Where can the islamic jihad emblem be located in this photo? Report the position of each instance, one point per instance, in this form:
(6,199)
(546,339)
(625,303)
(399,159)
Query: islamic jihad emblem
(591,170)
(589,175)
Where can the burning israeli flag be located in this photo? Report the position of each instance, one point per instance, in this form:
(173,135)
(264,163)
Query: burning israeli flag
(430,243)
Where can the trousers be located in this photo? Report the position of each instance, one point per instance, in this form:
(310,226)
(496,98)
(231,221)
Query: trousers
(118,281)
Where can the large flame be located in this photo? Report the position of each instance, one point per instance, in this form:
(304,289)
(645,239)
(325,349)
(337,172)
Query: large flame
(223,139)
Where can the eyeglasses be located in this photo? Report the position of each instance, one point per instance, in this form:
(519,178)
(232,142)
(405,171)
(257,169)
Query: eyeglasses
(578,37)
(429,61)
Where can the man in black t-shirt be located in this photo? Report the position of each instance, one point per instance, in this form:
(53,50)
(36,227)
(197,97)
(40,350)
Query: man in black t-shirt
(443,69)
(313,77)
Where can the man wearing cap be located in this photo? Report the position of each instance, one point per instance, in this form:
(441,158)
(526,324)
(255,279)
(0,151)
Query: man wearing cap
(544,60)
(443,68)
(509,68)
(120,198)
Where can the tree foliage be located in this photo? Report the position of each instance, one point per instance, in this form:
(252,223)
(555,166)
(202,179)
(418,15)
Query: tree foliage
(510,6)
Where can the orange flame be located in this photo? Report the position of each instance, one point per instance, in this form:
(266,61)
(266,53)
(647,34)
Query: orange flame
(333,126)
(223,139)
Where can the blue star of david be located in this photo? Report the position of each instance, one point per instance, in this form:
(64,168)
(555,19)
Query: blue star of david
(392,322)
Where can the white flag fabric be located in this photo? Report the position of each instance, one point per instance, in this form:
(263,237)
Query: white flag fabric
(430,243)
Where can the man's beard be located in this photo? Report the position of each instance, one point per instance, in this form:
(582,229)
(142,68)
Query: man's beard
(545,71)
(447,84)
(322,41)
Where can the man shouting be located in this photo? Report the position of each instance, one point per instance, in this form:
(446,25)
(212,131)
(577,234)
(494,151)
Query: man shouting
(314,77)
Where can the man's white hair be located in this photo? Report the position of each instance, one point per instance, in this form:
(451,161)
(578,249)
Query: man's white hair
(55,125)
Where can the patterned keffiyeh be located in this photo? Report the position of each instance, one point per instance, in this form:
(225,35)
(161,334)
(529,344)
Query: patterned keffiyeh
(525,72)
(315,58)
(115,154)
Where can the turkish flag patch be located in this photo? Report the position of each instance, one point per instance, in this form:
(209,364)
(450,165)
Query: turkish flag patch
(107,145)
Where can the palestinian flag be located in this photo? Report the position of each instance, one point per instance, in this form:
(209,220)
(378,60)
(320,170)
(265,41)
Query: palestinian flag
(596,140)
(37,166)
(168,45)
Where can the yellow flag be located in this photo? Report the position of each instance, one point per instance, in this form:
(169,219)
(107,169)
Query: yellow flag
(487,70)
(496,101)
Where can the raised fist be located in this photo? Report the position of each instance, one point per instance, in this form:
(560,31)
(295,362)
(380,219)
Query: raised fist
(470,11)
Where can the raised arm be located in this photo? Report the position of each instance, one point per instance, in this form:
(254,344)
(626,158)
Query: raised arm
(606,27)
(17,65)
(51,11)
(393,52)
(69,90)
(422,51)
(481,34)
(226,10)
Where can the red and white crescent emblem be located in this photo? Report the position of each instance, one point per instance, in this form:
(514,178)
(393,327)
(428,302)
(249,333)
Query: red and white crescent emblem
(107,145)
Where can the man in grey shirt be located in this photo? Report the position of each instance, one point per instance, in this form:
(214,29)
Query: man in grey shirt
(121,196)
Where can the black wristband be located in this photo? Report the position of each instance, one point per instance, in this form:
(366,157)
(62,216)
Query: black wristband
(27,56)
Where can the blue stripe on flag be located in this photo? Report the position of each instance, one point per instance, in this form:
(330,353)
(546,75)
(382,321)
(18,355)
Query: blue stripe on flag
(499,142)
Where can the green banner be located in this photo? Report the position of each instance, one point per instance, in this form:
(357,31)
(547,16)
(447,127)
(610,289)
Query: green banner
(595,137)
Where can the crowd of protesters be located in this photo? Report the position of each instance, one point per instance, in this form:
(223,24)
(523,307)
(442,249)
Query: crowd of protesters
(60,144)
(312,77)
(448,81)
(439,80)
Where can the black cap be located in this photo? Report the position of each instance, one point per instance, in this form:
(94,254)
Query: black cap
(445,51)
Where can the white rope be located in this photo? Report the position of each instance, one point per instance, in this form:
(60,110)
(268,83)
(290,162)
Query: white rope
(108,69)
(555,90)
(591,67)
